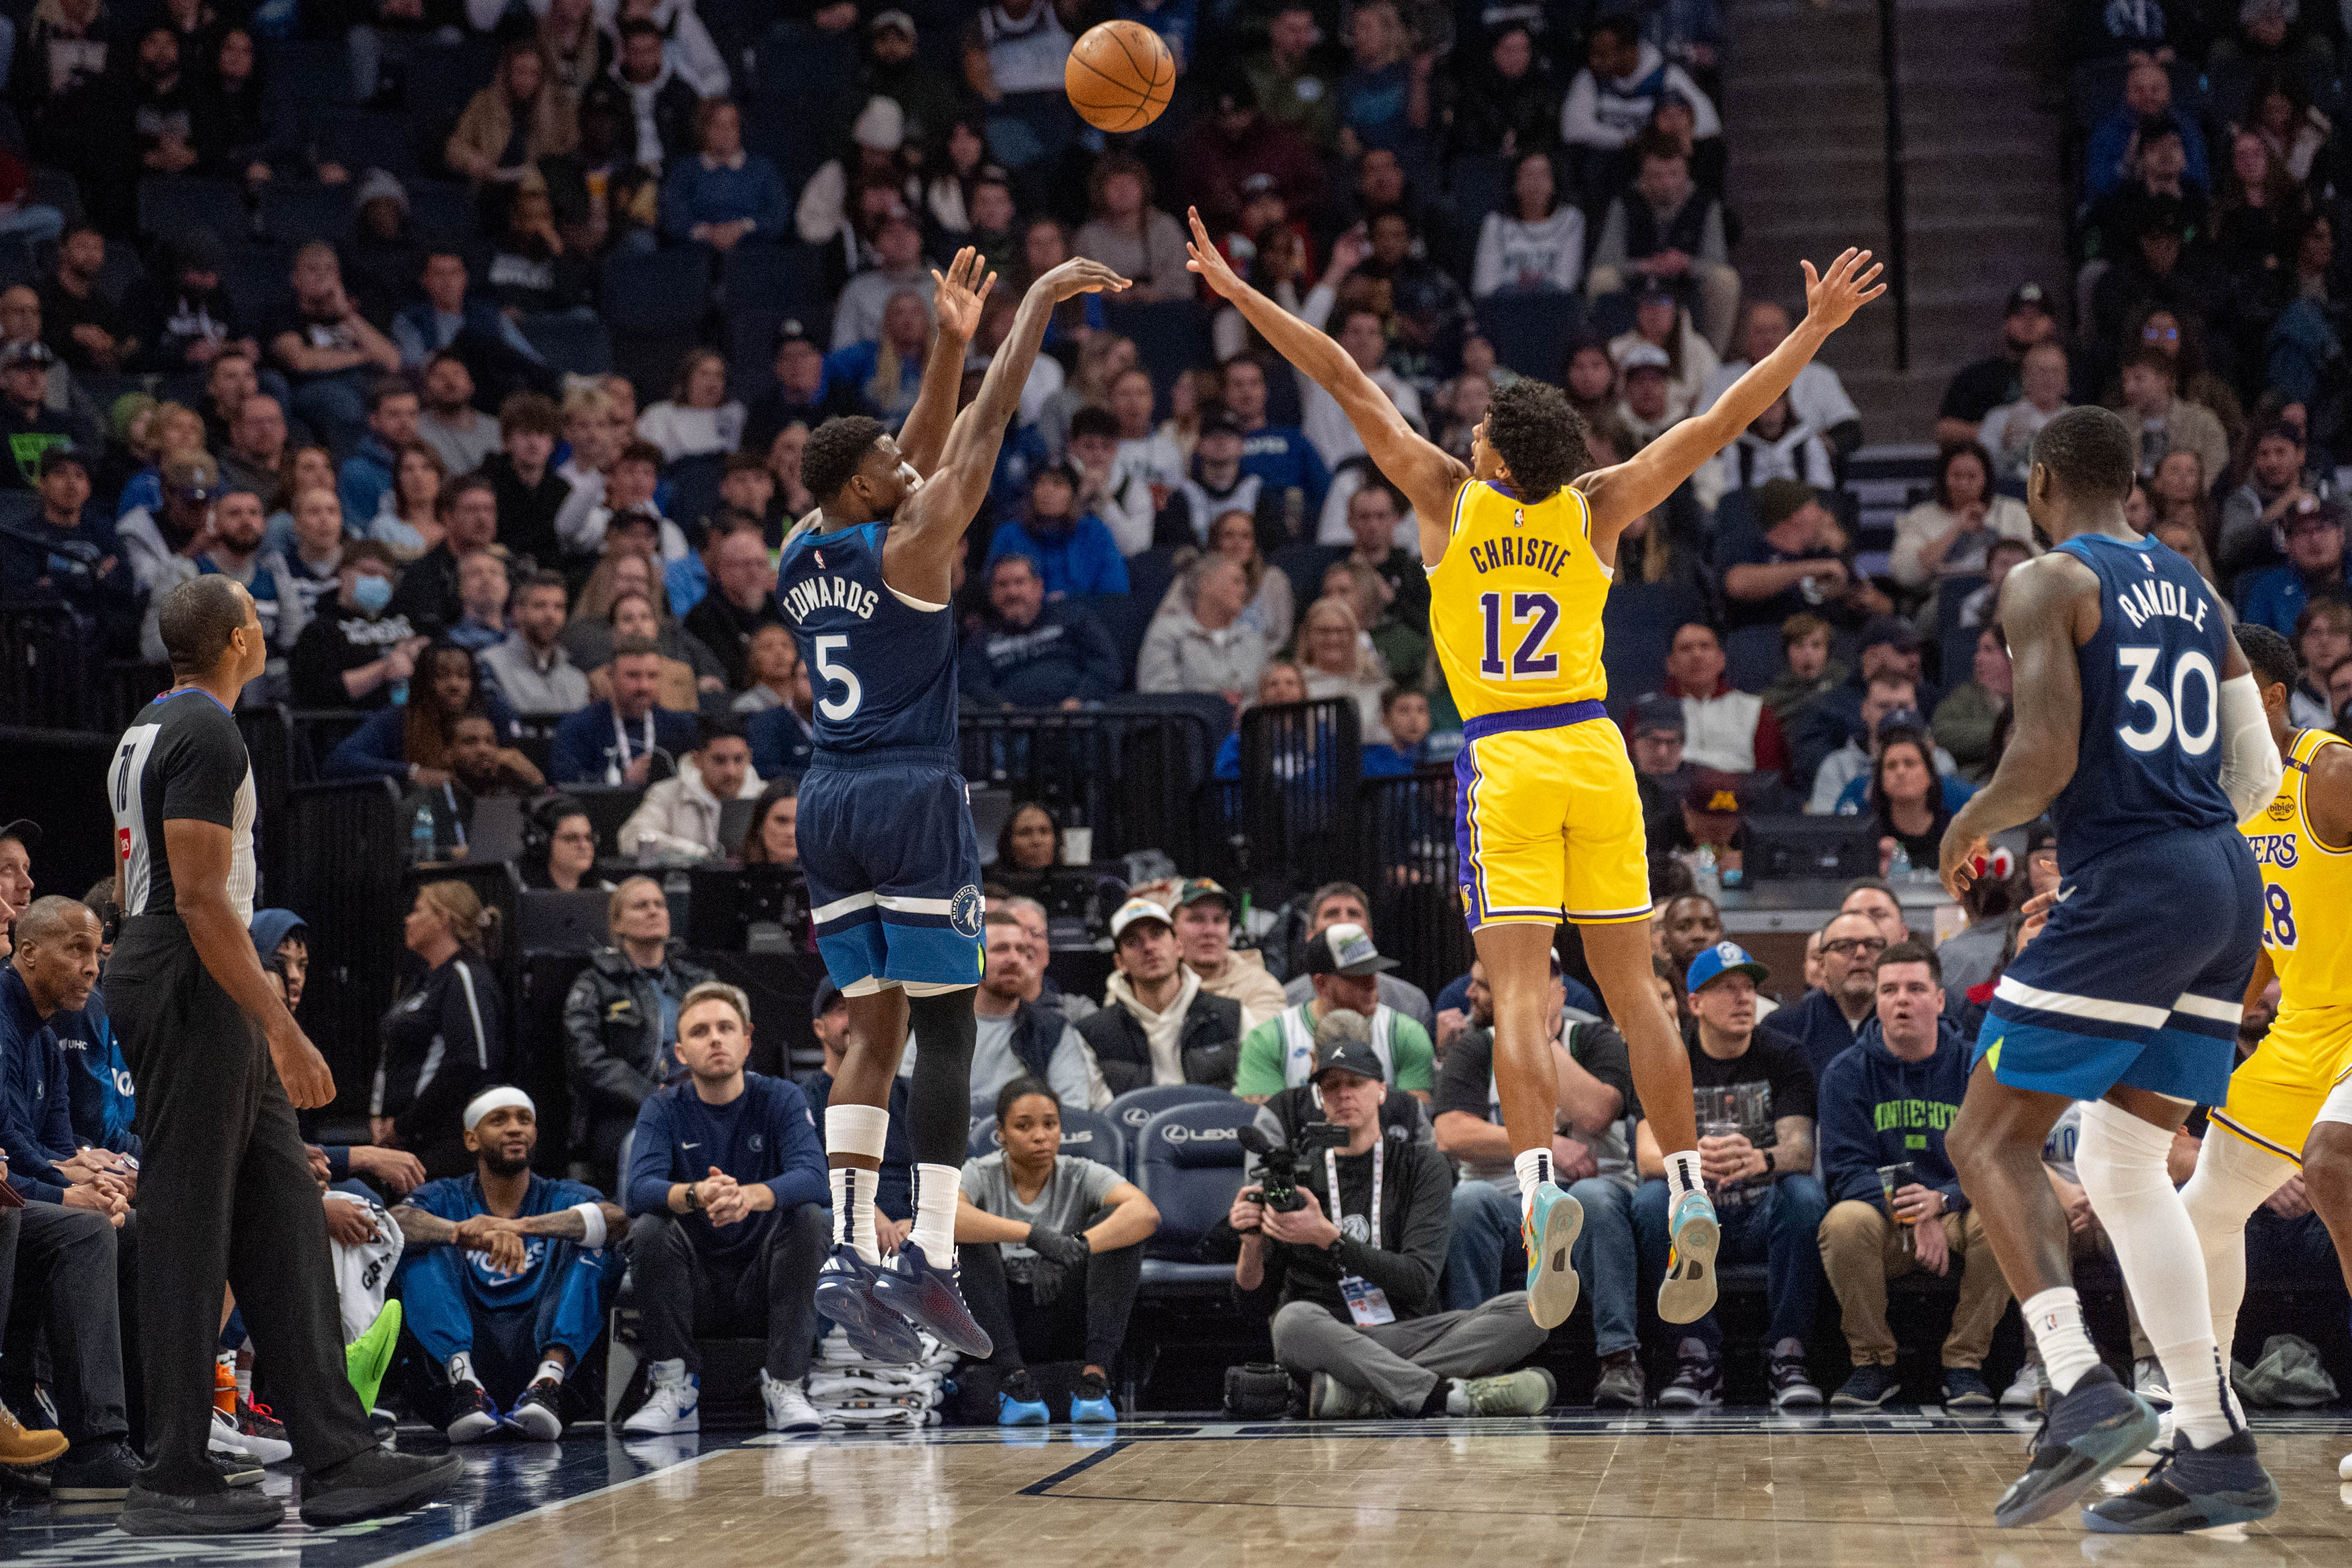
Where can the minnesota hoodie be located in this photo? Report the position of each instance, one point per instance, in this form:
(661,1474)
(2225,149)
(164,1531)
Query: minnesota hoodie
(1879,1109)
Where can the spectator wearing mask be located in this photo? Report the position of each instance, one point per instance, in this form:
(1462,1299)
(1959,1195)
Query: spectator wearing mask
(2315,569)
(1756,1116)
(678,818)
(621,1024)
(1052,1251)
(1343,969)
(1343,902)
(1998,380)
(530,668)
(1203,920)
(1159,1024)
(613,741)
(505,1278)
(445,1041)
(67,554)
(1596,1088)
(1665,235)
(742,600)
(1074,553)
(353,653)
(1887,1102)
(1352,1278)
(1033,654)
(1205,645)
(1792,563)
(1022,1036)
(730,1226)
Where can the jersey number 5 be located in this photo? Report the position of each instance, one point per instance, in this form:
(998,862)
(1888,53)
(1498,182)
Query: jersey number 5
(2167,720)
(1540,612)
(852,694)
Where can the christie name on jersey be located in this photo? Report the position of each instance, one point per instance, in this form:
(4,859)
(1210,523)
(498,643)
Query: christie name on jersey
(1538,554)
(829,592)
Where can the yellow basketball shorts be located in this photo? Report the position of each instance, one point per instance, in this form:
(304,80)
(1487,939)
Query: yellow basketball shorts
(2278,1093)
(1548,821)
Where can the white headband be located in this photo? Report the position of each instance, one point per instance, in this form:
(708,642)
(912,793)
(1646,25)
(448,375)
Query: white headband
(497,1098)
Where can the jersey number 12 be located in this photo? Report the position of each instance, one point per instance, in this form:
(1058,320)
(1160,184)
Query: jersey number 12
(1540,612)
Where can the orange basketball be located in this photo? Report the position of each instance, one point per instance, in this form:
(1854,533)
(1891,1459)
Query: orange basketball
(1120,76)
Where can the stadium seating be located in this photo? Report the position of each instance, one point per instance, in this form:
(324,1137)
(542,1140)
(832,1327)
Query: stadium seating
(1190,1165)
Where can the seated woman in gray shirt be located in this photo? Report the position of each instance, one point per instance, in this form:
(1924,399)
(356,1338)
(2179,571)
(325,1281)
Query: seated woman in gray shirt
(1060,1280)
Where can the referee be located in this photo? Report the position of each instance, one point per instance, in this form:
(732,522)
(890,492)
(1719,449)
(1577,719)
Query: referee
(224,1190)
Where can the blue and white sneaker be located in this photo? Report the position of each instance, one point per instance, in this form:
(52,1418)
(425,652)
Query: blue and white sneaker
(1017,1403)
(673,1405)
(844,1294)
(1687,1292)
(2192,1489)
(1090,1401)
(931,1298)
(1548,1232)
(2085,1432)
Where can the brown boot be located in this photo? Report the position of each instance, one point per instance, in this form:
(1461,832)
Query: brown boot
(20,1447)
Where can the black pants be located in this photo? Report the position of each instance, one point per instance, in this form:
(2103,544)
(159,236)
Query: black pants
(1084,1322)
(771,1291)
(596,1157)
(225,1198)
(64,1259)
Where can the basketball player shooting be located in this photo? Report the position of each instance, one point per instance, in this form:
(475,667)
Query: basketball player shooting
(1520,545)
(885,834)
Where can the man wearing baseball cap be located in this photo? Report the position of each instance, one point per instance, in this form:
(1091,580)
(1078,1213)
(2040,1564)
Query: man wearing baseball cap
(1647,408)
(1352,1272)
(1219,483)
(1204,932)
(27,423)
(1344,969)
(1159,1023)
(68,553)
(1980,388)
(1756,1109)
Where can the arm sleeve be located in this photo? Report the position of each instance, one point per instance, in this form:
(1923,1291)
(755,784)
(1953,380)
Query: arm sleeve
(647,1188)
(2251,767)
(803,1179)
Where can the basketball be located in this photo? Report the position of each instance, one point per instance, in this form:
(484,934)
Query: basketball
(1120,76)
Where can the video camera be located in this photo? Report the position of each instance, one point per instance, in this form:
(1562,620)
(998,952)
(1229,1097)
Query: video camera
(1279,1164)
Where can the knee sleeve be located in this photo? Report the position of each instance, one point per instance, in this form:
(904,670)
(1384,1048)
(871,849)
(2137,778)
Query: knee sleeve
(938,1109)
(2119,1157)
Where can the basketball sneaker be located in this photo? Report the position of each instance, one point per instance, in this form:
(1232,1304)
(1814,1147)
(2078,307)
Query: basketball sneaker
(2025,1392)
(535,1415)
(367,1358)
(1688,1293)
(673,1405)
(2192,1489)
(1017,1403)
(1090,1401)
(473,1416)
(844,1295)
(788,1406)
(1547,1233)
(228,1437)
(1697,1383)
(931,1298)
(2150,1383)
(1793,1387)
(2085,1432)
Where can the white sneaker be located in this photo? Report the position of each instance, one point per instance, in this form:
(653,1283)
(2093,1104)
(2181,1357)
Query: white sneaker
(2344,1469)
(674,1406)
(228,1439)
(787,1408)
(2025,1394)
(2148,1382)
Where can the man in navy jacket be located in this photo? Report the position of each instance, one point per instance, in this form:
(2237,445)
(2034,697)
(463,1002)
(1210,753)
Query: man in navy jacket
(613,742)
(727,1180)
(1031,653)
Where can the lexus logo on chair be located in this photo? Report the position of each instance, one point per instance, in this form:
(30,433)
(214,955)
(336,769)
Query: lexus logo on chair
(1179,1133)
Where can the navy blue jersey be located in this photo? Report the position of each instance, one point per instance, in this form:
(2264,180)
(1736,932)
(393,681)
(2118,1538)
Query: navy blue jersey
(2150,755)
(460,1198)
(884,670)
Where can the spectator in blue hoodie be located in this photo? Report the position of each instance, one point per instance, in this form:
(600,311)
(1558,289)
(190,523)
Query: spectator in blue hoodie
(1405,712)
(1030,654)
(68,553)
(368,472)
(1280,455)
(1888,1100)
(1074,552)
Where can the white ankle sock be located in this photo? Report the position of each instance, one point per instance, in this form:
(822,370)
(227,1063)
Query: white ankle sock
(1534,1166)
(2055,1317)
(1683,1175)
(551,1370)
(2121,1162)
(852,1211)
(935,1207)
(461,1368)
(863,1130)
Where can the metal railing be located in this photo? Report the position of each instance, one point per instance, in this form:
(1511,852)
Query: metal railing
(1898,273)
(1409,871)
(1129,777)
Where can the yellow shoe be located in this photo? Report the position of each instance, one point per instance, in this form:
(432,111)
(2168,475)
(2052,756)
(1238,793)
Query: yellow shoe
(19,1448)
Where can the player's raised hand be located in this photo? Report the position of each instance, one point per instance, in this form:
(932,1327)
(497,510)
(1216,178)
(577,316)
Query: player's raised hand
(1080,276)
(1206,258)
(960,294)
(1963,862)
(1832,300)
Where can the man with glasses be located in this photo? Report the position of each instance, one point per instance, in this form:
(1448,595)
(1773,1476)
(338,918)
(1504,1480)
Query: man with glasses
(1830,1019)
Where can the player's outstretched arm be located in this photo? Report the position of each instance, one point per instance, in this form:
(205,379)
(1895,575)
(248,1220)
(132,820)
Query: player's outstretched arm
(2040,604)
(1643,481)
(955,311)
(1419,467)
(918,556)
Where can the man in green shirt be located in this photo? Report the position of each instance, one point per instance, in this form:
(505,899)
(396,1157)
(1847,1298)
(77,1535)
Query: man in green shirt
(1345,969)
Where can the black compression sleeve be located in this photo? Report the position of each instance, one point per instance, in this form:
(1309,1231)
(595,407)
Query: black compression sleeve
(938,1104)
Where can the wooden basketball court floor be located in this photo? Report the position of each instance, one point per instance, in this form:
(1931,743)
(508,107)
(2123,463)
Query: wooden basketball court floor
(1902,1488)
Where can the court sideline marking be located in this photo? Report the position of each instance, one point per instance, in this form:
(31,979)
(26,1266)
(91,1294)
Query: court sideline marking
(546,1509)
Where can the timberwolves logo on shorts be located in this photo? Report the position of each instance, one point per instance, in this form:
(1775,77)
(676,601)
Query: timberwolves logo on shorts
(964,910)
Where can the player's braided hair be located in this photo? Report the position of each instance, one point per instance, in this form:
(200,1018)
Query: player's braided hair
(835,451)
(1540,437)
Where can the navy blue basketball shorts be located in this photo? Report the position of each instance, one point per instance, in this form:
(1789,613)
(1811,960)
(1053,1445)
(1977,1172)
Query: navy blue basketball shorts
(2138,978)
(893,869)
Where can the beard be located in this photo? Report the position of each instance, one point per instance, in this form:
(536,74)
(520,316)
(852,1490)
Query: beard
(497,1162)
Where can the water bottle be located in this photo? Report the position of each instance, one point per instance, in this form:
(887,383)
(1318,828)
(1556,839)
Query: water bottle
(1705,872)
(421,836)
(399,693)
(1898,870)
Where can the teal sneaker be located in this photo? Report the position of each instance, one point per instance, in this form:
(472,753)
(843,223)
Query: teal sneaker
(1688,1293)
(1547,1231)
(1017,1403)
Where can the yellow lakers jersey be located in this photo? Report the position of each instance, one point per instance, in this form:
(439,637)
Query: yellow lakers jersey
(1514,602)
(2306,889)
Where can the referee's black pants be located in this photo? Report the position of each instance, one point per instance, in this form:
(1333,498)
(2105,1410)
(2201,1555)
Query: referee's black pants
(225,1198)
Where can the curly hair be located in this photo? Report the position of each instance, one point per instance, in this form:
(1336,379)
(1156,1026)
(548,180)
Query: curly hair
(835,451)
(1539,436)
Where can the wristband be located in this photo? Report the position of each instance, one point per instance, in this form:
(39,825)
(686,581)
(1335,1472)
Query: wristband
(592,1219)
(693,1199)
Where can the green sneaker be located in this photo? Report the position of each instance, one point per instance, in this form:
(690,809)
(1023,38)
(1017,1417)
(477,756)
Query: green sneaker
(1528,1392)
(367,1358)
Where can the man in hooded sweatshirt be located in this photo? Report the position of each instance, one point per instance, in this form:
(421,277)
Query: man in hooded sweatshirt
(1887,1102)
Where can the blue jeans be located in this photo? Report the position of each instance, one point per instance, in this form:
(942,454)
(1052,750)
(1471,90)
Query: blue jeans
(1487,1239)
(1779,1227)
